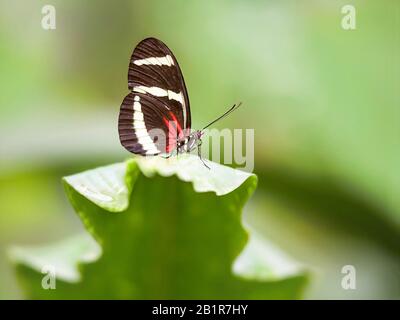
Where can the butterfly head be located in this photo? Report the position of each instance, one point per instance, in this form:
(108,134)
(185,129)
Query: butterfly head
(199,134)
(190,142)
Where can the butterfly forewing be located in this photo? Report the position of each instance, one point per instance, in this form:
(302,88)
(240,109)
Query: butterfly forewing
(158,101)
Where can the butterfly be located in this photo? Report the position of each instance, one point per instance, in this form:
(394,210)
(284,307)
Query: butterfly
(154,117)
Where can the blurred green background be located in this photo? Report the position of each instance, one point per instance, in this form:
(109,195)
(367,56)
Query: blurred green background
(324,103)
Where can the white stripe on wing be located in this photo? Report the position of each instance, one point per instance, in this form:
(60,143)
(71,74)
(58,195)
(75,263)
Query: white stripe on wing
(140,129)
(155,61)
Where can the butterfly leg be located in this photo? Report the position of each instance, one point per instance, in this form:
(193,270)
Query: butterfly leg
(199,154)
(177,150)
(167,156)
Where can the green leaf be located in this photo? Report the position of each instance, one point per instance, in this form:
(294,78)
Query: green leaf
(165,229)
(63,256)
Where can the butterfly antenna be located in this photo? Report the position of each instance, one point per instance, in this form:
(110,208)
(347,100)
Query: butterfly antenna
(231,109)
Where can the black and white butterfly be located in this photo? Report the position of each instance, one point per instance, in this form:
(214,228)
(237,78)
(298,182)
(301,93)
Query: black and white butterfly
(154,118)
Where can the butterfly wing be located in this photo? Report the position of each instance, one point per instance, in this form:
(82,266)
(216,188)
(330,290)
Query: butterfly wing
(158,101)
(147,126)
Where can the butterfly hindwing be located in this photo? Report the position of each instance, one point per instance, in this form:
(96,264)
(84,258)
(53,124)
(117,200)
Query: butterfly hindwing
(147,126)
(157,85)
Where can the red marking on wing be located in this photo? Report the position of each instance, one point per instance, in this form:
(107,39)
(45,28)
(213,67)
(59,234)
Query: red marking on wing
(174,131)
(171,134)
(174,119)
